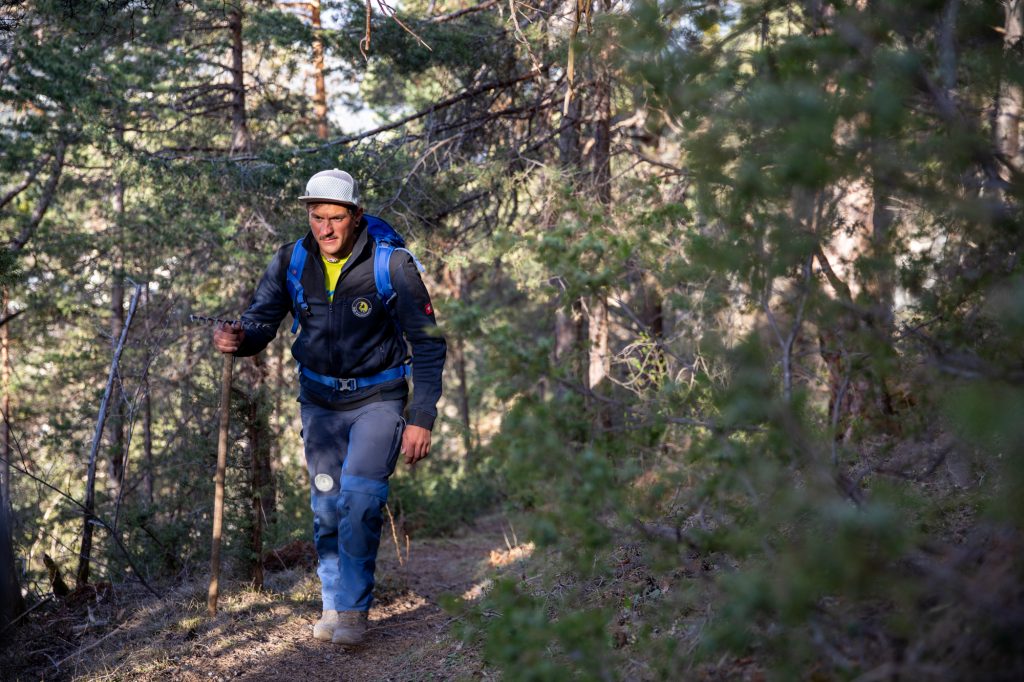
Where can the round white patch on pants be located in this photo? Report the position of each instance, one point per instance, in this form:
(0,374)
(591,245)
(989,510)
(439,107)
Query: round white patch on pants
(323,482)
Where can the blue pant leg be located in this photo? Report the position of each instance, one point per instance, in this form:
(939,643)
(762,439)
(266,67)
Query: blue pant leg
(325,439)
(359,532)
(373,449)
(325,538)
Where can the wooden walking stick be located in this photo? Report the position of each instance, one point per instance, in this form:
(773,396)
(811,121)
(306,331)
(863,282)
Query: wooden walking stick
(218,485)
(222,453)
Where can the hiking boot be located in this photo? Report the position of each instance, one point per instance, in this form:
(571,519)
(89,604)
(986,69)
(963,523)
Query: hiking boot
(324,628)
(350,628)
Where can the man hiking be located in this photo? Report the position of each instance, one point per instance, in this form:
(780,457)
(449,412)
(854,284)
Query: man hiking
(357,295)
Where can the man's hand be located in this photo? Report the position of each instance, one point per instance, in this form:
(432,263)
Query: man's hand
(228,339)
(415,443)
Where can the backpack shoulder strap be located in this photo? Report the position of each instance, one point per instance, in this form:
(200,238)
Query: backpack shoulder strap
(294,281)
(382,269)
(386,242)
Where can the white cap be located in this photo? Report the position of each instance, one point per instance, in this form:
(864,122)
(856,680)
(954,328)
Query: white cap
(331,186)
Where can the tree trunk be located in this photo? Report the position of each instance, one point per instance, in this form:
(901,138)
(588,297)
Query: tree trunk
(568,338)
(599,366)
(1011,94)
(115,434)
(258,426)
(650,309)
(240,139)
(597,330)
(259,449)
(147,444)
(458,284)
(320,92)
(597,327)
(602,172)
(458,350)
(185,377)
(569,138)
(279,420)
(5,406)
(147,422)
(567,335)
(259,435)
(278,423)
(882,285)
(859,265)
(11,602)
(282,359)
(568,317)
(265,486)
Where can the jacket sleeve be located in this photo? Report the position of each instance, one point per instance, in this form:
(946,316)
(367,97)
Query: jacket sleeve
(270,303)
(416,315)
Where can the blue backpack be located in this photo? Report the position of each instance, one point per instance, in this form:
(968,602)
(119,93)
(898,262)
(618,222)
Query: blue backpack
(387,240)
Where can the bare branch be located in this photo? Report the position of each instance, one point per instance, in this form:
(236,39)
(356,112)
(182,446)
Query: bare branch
(348,139)
(451,16)
(7,318)
(390,12)
(364,44)
(21,186)
(44,201)
(82,573)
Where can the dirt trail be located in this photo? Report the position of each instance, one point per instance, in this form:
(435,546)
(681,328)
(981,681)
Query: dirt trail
(268,635)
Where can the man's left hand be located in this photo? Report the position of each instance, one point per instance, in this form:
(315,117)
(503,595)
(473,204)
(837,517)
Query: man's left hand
(415,443)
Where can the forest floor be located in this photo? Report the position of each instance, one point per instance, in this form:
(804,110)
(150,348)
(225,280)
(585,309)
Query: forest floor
(124,634)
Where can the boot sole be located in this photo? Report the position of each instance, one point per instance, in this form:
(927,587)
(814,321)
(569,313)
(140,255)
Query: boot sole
(348,642)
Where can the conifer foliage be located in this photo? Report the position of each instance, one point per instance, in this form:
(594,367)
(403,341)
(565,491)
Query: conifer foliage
(732,292)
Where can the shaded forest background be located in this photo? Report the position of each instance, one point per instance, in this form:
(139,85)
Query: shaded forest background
(732,291)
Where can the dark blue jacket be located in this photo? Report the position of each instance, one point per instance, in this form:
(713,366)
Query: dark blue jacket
(354,336)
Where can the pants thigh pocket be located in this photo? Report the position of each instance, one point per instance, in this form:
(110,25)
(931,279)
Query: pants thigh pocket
(396,445)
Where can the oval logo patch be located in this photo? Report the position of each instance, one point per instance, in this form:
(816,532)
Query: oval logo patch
(323,482)
(361,307)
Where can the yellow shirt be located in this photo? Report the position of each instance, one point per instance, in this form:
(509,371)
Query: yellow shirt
(333,271)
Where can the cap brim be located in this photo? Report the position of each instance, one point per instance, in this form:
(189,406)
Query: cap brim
(326,200)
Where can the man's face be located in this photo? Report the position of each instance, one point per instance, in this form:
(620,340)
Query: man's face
(335,227)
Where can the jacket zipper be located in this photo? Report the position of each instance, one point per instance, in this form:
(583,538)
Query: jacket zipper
(345,269)
(332,366)
(331,370)
(330,335)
